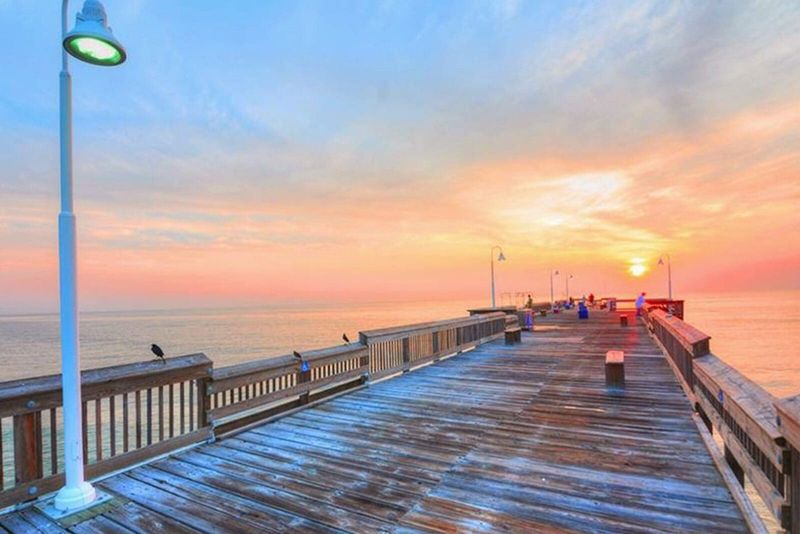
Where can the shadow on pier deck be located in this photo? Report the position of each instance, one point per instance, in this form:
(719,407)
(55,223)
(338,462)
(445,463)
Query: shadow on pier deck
(521,438)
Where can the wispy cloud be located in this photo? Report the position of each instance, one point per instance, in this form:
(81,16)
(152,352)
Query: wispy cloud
(280,146)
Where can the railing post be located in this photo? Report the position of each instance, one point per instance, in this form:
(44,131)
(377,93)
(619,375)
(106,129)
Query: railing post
(27,447)
(304,377)
(203,402)
(406,354)
(788,419)
(364,363)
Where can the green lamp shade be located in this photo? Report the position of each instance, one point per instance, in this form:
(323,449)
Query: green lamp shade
(91,40)
(94,50)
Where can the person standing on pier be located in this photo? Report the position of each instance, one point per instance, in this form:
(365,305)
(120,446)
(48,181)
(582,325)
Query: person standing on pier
(529,302)
(640,303)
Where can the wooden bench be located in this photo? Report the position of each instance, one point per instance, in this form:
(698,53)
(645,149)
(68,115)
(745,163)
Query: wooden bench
(513,335)
(615,369)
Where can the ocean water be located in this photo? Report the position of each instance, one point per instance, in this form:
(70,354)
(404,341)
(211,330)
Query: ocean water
(758,333)
(29,344)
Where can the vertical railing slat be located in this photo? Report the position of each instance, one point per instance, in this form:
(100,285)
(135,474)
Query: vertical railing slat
(149,415)
(138,415)
(53,442)
(112,426)
(98,430)
(125,422)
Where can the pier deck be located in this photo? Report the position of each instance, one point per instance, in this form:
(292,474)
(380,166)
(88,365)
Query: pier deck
(520,438)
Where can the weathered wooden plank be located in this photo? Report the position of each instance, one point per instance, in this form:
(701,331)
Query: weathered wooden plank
(139,519)
(40,522)
(101,525)
(23,492)
(193,514)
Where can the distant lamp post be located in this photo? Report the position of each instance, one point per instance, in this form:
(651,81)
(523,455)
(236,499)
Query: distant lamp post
(91,41)
(567,278)
(552,296)
(669,272)
(500,257)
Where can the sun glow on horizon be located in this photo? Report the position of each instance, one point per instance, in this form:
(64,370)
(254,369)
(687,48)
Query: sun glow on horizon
(637,269)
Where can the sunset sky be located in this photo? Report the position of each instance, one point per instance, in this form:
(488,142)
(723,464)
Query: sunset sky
(255,151)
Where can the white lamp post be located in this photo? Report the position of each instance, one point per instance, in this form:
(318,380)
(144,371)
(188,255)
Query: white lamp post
(552,296)
(567,278)
(91,41)
(669,272)
(500,257)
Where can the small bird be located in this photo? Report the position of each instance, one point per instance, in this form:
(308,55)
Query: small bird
(158,352)
(345,338)
(297,355)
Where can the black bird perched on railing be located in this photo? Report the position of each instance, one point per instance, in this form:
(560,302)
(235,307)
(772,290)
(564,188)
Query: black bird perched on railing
(158,352)
(297,355)
(345,338)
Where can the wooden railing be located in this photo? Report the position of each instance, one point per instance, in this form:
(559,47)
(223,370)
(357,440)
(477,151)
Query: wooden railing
(238,389)
(130,413)
(671,307)
(788,421)
(682,342)
(743,414)
(399,349)
(135,412)
(757,448)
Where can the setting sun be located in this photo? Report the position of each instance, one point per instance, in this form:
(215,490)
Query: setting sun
(637,269)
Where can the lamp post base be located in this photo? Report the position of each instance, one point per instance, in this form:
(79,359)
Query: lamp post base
(69,501)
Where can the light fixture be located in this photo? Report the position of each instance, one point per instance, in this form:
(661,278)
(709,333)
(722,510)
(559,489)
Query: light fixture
(501,256)
(91,39)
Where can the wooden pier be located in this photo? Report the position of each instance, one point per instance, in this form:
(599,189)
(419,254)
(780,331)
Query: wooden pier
(479,436)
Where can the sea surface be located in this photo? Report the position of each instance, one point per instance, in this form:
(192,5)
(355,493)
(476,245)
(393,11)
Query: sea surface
(757,333)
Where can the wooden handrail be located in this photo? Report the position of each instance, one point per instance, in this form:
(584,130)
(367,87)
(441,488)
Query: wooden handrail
(397,332)
(36,394)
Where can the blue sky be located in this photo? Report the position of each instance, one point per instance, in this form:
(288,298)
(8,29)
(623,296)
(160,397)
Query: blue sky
(267,128)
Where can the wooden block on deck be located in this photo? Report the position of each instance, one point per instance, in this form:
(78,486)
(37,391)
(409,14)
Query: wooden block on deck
(615,369)
(623,320)
(513,335)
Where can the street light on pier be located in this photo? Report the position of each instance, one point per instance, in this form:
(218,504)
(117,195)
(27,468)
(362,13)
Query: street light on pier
(669,272)
(567,279)
(500,257)
(552,296)
(90,41)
